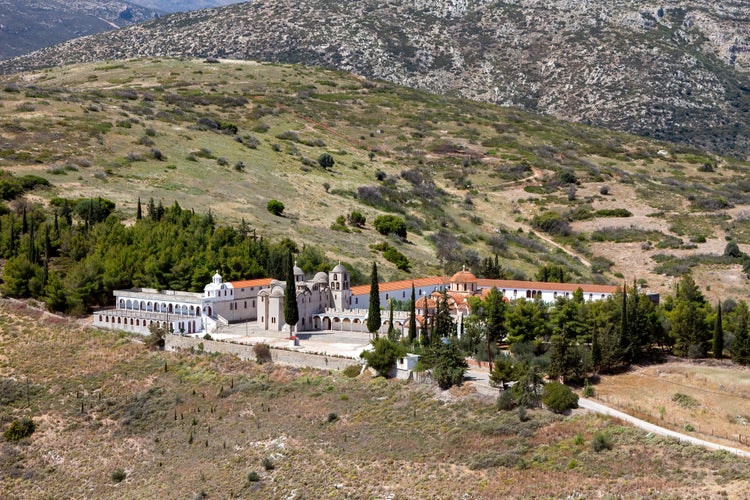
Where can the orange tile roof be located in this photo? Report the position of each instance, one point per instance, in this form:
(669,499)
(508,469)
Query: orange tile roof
(391,286)
(249,283)
(539,285)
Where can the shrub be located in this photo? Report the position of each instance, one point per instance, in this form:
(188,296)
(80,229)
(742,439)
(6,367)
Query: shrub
(352,371)
(19,429)
(601,442)
(356,219)
(604,190)
(390,224)
(268,464)
(275,207)
(118,476)
(732,250)
(332,417)
(262,353)
(506,401)
(558,397)
(383,355)
(326,161)
(253,477)
(552,223)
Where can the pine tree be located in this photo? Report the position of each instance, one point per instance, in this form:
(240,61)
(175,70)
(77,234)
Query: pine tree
(413,317)
(718,341)
(373,314)
(291,311)
(741,344)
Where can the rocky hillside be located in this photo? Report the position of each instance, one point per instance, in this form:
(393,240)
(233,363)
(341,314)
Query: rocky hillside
(678,70)
(27,25)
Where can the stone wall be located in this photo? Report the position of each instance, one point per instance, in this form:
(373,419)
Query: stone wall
(245,352)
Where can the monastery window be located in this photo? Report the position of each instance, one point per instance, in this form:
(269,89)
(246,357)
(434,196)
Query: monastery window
(261,319)
(106,319)
(356,300)
(137,322)
(386,296)
(403,295)
(515,293)
(303,321)
(554,294)
(131,321)
(119,320)
(245,304)
(528,294)
(335,277)
(591,296)
(100,317)
(567,295)
(602,295)
(254,303)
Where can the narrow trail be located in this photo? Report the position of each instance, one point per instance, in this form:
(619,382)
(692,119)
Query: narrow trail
(480,379)
(653,428)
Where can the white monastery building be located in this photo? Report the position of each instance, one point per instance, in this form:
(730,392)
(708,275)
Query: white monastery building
(327,302)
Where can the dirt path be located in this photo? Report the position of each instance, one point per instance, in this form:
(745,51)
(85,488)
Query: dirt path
(649,427)
(480,379)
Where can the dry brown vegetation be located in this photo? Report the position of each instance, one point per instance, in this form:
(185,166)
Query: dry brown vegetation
(711,397)
(178,425)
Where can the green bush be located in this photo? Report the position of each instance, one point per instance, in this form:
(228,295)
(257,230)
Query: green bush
(352,371)
(275,207)
(19,429)
(326,161)
(506,401)
(268,464)
(253,477)
(383,355)
(118,476)
(601,442)
(558,397)
(390,224)
(552,223)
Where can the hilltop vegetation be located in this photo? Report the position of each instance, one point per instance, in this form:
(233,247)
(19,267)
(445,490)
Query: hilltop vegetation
(113,419)
(470,180)
(679,71)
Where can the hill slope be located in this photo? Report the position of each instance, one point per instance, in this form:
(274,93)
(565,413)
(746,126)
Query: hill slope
(471,179)
(678,72)
(115,420)
(27,25)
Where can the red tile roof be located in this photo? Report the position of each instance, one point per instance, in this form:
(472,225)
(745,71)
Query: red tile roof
(249,283)
(401,285)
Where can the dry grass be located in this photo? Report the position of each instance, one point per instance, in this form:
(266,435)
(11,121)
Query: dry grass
(104,403)
(719,393)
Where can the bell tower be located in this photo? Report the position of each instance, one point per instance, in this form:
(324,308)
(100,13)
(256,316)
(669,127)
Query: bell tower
(338,283)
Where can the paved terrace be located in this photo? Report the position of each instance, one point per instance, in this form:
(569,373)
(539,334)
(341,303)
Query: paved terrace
(347,344)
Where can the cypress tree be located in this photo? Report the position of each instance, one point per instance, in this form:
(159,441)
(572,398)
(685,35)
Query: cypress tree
(596,350)
(139,211)
(718,344)
(391,330)
(291,311)
(24,223)
(424,338)
(413,317)
(373,314)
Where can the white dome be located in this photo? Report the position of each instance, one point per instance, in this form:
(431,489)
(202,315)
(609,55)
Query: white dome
(339,269)
(277,292)
(321,277)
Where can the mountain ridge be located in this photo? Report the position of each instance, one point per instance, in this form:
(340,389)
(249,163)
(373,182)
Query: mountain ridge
(678,72)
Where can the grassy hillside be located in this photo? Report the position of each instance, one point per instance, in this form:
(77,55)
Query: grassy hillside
(117,421)
(471,179)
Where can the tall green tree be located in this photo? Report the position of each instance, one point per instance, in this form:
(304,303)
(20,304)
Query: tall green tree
(525,320)
(740,349)
(291,309)
(373,313)
(718,340)
(444,327)
(688,317)
(392,335)
(412,316)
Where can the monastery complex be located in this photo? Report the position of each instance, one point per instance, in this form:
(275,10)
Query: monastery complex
(326,302)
